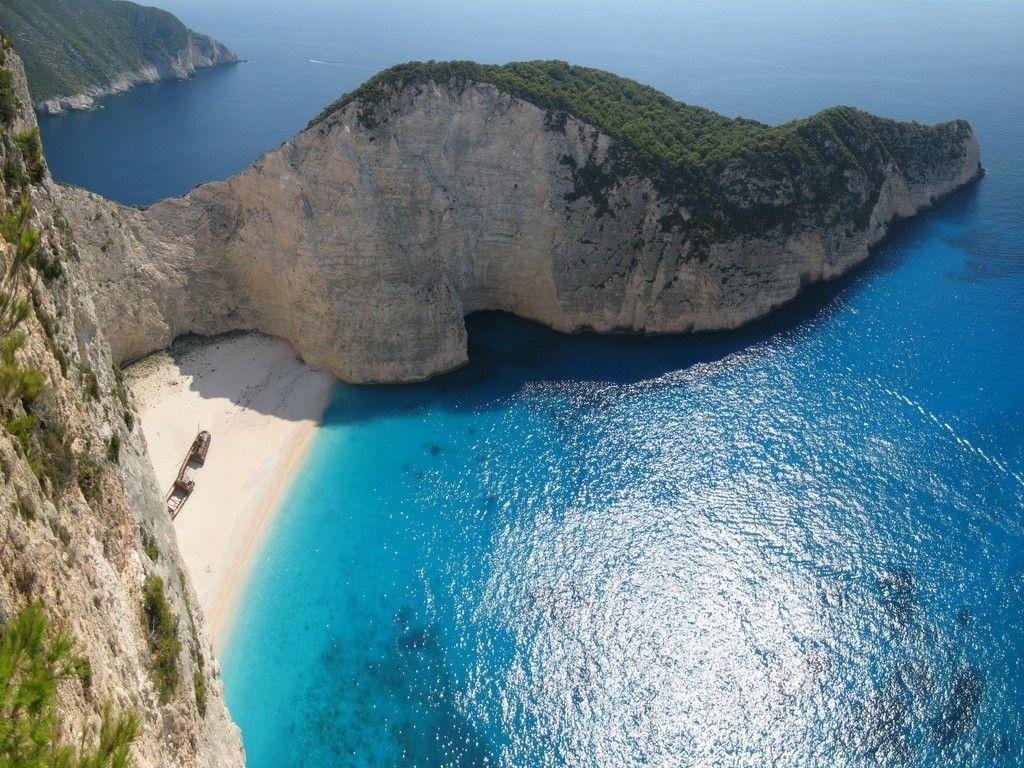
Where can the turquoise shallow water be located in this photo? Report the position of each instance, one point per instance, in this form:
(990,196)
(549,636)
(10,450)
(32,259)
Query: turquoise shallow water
(795,545)
(799,544)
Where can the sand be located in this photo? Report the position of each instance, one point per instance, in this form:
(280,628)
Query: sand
(261,405)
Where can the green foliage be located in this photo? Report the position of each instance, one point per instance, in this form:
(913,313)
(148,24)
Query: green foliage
(16,228)
(90,479)
(21,429)
(16,219)
(162,634)
(699,161)
(663,135)
(28,243)
(114,449)
(8,99)
(33,660)
(31,147)
(14,178)
(149,545)
(25,508)
(199,682)
(54,459)
(198,676)
(69,46)
(16,382)
(92,385)
(81,668)
(121,393)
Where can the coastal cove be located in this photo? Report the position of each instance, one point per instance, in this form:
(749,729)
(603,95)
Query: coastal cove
(796,543)
(262,405)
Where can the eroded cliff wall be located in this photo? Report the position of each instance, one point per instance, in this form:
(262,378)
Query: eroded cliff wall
(83,521)
(366,239)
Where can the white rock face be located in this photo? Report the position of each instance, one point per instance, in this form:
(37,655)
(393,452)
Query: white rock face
(365,247)
(201,52)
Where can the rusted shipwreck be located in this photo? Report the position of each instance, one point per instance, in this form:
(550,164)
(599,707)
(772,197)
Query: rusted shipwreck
(184,483)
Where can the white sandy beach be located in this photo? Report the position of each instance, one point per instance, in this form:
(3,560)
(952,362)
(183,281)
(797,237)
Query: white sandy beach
(261,405)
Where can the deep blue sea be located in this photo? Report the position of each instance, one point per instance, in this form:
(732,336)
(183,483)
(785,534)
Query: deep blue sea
(800,544)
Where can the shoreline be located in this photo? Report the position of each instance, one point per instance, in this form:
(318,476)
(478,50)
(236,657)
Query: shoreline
(222,614)
(262,406)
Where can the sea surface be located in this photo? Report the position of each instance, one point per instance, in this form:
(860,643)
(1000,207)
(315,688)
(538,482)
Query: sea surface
(799,544)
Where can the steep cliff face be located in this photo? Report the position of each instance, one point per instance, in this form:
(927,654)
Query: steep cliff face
(85,533)
(78,51)
(366,239)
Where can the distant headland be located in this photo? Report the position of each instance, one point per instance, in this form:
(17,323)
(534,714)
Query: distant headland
(78,51)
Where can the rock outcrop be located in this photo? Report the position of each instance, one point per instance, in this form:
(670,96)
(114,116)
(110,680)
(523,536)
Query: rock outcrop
(366,239)
(84,525)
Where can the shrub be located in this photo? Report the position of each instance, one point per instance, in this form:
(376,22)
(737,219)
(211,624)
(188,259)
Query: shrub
(16,382)
(114,448)
(149,545)
(81,667)
(52,457)
(31,147)
(8,100)
(200,685)
(92,385)
(33,660)
(25,508)
(13,175)
(21,429)
(162,634)
(89,479)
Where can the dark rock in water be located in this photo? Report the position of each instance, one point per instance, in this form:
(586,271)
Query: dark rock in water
(899,595)
(433,449)
(418,640)
(885,727)
(403,617)
(960,710)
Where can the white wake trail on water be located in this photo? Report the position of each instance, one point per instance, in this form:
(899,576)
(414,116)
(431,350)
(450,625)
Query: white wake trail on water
(368,66)
(963,442)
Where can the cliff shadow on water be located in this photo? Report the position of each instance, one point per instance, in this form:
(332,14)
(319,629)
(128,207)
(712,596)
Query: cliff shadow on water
(506,352)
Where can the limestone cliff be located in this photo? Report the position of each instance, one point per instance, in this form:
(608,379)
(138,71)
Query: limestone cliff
(84,526)
(366,239)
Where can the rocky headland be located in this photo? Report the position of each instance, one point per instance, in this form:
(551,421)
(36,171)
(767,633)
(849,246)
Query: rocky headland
(437,190)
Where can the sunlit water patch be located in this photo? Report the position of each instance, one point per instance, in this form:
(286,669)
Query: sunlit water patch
(790,545)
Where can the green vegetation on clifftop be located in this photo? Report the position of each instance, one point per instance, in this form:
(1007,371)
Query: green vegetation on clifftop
(733,174)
